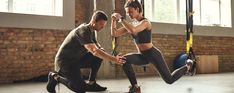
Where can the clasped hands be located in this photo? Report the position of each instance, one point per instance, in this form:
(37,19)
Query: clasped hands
(120,59)
(116,16)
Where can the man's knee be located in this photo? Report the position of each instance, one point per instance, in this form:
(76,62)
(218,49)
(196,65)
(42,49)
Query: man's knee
(97,60)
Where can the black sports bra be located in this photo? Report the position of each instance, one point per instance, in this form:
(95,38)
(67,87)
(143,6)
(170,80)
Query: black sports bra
(143,36)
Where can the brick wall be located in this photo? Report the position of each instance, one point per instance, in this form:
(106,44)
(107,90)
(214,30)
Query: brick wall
(82,11)
(27,53)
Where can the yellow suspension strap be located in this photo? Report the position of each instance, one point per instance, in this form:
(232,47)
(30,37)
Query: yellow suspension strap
(189,33)
(114,46)
(180,60)
(189,28)
(114,39)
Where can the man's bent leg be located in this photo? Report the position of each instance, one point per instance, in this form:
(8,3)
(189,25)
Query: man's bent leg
(71,78)
(94,63)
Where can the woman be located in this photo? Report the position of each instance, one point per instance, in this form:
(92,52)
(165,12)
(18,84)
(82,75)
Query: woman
(140,29)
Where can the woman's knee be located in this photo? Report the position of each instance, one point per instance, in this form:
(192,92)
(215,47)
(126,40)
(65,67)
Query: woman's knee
(168,80)
(136,59)
(126,65)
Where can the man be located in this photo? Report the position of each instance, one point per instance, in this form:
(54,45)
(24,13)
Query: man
(81,49)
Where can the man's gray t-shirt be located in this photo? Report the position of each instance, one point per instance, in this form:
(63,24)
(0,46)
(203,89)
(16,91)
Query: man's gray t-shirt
(72,47)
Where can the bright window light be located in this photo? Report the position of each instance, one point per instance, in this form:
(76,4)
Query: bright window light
(36,7)
(206,12)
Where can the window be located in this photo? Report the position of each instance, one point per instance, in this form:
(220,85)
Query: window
(37,7)
(155,10)
(206,12)
(41,14)
(3,5)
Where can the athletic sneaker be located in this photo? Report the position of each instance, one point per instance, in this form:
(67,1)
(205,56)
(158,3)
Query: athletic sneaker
(51,84)
(192,64)
(134,89)
(95,87)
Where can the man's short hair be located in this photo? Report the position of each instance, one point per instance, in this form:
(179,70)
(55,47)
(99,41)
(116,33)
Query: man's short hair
(100,15)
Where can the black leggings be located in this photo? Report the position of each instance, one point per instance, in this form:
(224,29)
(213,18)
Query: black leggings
(154,56)
(70,75)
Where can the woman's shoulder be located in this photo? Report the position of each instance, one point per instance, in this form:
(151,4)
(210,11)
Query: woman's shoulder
(148,22)
(145,19)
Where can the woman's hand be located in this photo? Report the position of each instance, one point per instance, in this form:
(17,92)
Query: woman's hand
(116,16)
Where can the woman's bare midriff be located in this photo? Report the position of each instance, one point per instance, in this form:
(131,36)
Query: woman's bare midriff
(144,46)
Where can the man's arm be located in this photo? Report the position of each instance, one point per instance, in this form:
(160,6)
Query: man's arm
(103,55)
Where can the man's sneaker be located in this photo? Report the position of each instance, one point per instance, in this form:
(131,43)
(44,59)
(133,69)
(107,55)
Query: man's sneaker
(192,64)
(51,83)
(94,87)
(134,89)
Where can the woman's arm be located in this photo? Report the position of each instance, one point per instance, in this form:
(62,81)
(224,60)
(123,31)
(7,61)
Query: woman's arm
(114,31)
(145,24)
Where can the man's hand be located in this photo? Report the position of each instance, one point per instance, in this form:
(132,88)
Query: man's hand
(120,60)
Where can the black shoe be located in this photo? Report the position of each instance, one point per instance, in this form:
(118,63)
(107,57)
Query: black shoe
(51,83)
(134,89)
(192,64)
(95,88)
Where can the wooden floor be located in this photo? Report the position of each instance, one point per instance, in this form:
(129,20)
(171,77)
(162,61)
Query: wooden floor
(202,83)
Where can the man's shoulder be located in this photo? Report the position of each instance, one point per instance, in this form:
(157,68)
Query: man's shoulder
(82,28)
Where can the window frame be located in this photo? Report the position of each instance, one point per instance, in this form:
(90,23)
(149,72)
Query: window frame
(66,22)
(179,29)
(200,22)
